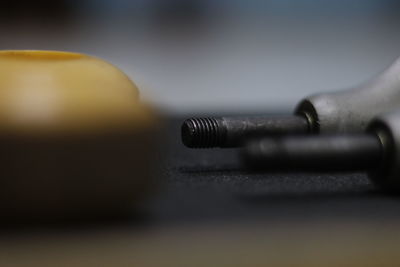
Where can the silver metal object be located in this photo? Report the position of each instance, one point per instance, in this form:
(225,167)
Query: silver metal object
(347,111)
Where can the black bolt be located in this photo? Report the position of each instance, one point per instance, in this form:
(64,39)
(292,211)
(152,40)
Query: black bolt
(233,131)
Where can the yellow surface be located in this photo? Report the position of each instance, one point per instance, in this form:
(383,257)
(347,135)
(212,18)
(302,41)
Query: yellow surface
(62,91)
(287,244)
(95,143)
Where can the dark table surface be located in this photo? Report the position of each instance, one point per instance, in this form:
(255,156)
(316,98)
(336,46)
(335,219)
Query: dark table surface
(210,212)
(209,185)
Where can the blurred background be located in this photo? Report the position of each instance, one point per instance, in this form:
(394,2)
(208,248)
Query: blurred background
(217,55)
(227,56)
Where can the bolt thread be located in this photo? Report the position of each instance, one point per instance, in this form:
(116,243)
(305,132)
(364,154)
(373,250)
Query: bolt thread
(202,132)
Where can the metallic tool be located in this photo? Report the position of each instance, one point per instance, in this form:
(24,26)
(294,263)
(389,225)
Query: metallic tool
(347,111)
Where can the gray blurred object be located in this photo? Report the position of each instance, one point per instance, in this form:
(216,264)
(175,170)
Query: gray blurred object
(347,111)
(252,57)
(376,151)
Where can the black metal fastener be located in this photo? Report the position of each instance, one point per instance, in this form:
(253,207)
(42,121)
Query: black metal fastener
(232,131)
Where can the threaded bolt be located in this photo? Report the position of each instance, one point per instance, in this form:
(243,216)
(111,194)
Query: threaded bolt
(202,132)
(210,132)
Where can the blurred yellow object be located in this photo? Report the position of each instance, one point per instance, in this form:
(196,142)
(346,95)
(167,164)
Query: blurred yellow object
(75,141)
(50,90)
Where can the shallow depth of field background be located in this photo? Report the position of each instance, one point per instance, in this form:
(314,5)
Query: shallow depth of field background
(217,55)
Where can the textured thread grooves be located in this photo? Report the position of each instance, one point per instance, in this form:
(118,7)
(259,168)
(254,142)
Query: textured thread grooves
(202,133)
